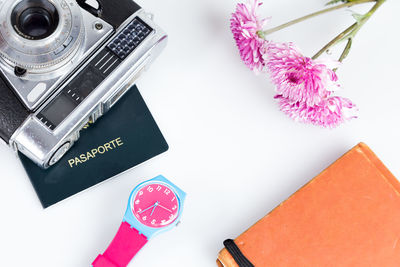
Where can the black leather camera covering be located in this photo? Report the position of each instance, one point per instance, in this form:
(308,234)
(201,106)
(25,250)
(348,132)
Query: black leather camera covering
(12,112)
(114,12)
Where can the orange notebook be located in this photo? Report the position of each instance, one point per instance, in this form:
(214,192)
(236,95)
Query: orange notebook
(349,215)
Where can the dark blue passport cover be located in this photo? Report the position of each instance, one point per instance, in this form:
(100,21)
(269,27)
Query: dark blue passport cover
(123,138)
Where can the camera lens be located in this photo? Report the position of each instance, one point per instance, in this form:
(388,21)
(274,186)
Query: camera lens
(41,35)
(35,19)
(35,22)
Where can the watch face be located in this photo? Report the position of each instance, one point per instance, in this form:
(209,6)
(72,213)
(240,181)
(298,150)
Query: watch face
(155,205)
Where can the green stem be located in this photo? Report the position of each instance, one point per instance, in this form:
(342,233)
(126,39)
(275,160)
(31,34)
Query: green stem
(336,40)
(350,32)
(290,23)
(369,15)
(346,51)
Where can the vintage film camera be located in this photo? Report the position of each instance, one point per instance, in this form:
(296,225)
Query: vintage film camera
(64,63)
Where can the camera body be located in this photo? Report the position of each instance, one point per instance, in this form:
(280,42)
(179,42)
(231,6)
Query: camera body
(64,63)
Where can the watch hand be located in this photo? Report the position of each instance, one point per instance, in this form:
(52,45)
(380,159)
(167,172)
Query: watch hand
(161,206)
(153,209)
(155,205)
(147,209)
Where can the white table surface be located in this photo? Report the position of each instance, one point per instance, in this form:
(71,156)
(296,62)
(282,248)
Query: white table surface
(231,149)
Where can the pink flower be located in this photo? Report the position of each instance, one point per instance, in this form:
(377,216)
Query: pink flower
(245,26)
(299,78)
(329,113)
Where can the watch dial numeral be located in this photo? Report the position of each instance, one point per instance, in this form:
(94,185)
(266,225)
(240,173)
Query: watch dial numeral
(155,205)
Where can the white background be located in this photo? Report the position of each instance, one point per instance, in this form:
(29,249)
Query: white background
(231,149)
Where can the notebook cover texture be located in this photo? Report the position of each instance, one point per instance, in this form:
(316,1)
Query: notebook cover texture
(347,216)
(123,138)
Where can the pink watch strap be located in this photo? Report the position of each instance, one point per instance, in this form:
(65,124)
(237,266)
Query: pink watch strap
(125,245)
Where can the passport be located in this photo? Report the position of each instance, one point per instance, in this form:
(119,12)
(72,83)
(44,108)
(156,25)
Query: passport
(123,138)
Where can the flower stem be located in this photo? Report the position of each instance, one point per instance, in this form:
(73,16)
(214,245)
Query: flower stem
(290,23)
(350,33)
(345,52)
(336,40)
(367,16)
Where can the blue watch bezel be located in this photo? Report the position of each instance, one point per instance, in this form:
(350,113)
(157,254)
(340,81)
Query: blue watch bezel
(147,231)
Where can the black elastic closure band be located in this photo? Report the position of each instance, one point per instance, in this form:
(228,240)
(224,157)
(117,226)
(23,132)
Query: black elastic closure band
(237,255)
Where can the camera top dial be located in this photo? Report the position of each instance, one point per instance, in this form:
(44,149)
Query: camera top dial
(39,35)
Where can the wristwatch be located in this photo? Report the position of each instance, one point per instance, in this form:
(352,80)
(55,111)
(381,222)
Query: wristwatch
(154,206)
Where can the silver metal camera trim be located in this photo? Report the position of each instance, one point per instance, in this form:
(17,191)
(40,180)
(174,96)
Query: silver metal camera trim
(39,55)
(53,76)
(40,143)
